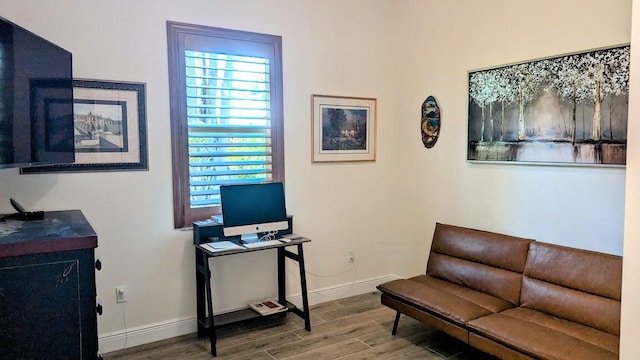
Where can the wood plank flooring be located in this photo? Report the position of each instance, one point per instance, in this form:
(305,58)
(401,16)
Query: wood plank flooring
(353,328)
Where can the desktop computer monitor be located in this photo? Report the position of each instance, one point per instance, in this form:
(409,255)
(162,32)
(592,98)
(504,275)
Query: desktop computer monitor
(250,209)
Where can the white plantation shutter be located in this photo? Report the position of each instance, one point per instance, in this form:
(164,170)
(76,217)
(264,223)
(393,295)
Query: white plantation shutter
(229,124)
(226,114)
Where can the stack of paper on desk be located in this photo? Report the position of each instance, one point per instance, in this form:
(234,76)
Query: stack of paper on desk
(222,246)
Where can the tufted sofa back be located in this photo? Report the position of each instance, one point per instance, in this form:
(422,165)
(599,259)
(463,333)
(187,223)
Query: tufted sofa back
(484,261)
(578,285)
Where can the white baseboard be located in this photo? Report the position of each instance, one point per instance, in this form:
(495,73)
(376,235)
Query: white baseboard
(145,334)
(341,291)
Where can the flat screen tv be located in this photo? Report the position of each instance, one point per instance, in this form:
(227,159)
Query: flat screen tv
(250,209)
(36,100)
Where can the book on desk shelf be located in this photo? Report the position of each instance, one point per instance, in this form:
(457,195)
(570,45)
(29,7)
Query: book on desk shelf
(266,306)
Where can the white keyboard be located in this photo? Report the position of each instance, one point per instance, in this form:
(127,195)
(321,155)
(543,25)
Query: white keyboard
(262,244)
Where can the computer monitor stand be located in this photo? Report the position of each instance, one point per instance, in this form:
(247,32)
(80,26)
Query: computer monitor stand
(248,238)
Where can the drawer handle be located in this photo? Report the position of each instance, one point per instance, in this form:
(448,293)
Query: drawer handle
(98,264)
(99,309)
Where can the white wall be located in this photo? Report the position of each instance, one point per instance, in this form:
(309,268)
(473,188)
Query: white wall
(326,50)
(630,325)
(440,42)
(397,52)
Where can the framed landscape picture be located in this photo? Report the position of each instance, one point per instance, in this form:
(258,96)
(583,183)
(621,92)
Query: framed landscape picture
(566,110)
(343,128)
(109,120)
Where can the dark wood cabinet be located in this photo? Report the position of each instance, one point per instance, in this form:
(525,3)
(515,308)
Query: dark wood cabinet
(47,288)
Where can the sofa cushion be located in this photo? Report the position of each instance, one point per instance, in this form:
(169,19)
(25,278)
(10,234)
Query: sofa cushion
(493,249)
(578,285)
(587,309)
(544,336)
(489,302)
(477,276)
(450,301)
(484,261)
(589,271)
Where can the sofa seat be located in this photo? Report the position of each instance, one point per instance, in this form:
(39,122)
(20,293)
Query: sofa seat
(542,336)
(456,303)
(486,301)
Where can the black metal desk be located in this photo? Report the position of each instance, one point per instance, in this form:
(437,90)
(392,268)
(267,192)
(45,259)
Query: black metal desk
(207,320)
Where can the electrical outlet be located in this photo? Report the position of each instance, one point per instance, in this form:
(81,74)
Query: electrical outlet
(351,255)
(121,294)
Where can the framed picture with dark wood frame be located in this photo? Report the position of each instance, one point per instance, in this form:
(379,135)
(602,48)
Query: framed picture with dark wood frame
(343,128)
(109,128)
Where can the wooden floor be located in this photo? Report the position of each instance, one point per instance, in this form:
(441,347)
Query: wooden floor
(352,328)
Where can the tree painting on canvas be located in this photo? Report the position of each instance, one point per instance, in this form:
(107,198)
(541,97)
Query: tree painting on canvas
(570,109)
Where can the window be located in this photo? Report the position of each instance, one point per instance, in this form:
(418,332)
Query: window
(226,114)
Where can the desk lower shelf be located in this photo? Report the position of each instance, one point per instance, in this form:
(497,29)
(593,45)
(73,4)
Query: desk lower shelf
(244,315)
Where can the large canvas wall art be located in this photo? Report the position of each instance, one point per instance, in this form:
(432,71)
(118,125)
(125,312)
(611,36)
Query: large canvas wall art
(567,110)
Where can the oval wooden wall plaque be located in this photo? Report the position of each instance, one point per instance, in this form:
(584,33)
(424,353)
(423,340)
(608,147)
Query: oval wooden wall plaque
(430,122)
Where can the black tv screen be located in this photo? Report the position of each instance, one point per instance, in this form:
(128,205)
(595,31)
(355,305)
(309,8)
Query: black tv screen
(36,100)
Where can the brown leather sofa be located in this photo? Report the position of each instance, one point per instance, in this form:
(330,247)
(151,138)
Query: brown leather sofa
(515,298)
